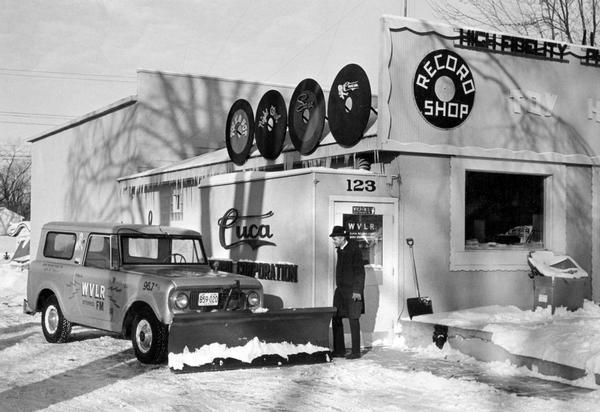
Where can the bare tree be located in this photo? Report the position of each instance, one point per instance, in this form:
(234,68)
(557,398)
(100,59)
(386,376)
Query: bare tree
(15,181)
(571,21)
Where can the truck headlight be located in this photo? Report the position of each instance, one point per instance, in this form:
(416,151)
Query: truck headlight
(181,301)
(253,299)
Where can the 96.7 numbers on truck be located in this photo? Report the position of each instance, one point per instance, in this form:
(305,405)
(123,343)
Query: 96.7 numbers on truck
(150,286)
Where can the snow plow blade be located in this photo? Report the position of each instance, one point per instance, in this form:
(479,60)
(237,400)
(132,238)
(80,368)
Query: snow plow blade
(237,339)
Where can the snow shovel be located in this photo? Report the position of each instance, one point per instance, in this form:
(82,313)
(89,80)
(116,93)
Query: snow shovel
(419,305)
(243,339)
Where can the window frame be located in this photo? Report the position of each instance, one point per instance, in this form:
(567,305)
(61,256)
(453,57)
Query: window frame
(176,211)
(87,250)
(201,251)
(462,259)
(58,232)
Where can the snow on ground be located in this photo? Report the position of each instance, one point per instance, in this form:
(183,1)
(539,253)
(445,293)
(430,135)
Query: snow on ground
(568,338)
(7,245)
(98,371)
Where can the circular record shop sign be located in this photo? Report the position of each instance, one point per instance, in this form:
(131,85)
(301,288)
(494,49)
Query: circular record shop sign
(444,89)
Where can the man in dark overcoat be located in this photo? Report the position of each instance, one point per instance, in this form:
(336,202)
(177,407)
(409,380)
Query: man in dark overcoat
(349,292)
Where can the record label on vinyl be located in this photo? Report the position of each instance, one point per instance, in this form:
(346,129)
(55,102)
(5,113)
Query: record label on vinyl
(271,124)
(239,131)
(307,116)
(444,89)
(349,105)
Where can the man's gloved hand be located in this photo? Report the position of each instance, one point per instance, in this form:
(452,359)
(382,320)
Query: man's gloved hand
(356,297)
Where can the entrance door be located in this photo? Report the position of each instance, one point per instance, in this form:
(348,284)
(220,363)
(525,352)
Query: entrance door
(373,224)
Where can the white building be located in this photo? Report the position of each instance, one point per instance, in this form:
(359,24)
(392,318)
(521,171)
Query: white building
(484,147)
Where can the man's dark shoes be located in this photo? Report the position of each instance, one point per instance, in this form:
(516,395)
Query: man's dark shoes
(338,354)
(353,355)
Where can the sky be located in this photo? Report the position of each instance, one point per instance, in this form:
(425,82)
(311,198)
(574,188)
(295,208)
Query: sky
(61,59)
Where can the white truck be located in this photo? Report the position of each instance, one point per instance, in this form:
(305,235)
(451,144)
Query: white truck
(145,281)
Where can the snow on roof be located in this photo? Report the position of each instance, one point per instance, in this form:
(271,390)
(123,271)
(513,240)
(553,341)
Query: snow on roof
(7,211)
(250,175)
(14,229)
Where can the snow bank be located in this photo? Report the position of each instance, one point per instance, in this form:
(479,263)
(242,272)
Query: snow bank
(568,338)
(247,353)
(14,285)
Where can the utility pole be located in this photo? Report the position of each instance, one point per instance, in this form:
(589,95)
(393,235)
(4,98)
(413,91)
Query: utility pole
(405,8)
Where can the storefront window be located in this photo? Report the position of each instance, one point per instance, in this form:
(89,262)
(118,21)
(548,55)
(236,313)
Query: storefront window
(503,210)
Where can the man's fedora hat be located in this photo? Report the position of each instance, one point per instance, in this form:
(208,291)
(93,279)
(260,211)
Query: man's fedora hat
(338,231)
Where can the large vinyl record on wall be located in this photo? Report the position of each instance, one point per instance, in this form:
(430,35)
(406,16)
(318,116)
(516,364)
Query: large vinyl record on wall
(271,124)
(349,105)
(239,131)
(307,116)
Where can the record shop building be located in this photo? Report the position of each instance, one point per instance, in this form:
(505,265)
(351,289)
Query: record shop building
(479,146)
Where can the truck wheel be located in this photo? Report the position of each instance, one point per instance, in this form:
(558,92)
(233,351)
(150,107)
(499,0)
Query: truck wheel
(56,328)
(149,338)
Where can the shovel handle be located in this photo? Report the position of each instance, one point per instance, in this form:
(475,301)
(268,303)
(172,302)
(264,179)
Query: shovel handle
(410,242)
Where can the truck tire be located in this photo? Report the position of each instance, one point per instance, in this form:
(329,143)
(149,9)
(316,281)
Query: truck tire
(56,328)
(149,338)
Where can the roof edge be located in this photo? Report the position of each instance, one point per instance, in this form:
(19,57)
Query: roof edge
(211,77)
(234,80)
(119,104)
(401,20)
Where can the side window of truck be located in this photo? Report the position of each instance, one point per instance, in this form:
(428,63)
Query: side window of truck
(98,253)
(59,245)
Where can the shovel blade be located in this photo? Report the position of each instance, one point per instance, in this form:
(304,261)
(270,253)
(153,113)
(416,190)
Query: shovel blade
(419,306)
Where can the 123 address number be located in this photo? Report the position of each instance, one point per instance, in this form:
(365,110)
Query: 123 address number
(358,185)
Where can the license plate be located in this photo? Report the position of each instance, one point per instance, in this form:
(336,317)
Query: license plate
(208,299)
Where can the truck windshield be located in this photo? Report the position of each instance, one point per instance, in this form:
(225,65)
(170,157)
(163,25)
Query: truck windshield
(161,250)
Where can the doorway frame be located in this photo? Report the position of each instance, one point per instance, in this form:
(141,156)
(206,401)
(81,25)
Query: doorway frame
(396,223)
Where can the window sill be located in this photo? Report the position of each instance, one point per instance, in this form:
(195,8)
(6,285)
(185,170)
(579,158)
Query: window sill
(488,260)
(502,246)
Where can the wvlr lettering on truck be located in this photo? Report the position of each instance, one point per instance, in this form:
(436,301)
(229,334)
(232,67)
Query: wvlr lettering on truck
(94,291)
(444,89)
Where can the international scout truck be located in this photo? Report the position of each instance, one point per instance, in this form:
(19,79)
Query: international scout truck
(153,284)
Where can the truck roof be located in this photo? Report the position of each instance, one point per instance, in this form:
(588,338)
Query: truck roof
(119,228)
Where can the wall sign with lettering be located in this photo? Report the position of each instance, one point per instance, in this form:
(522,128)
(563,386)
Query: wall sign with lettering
(280,272)
(444,89)
(514,45)
(363,210)
(249,229)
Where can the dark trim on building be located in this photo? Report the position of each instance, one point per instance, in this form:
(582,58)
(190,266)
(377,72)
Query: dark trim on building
(118,105)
